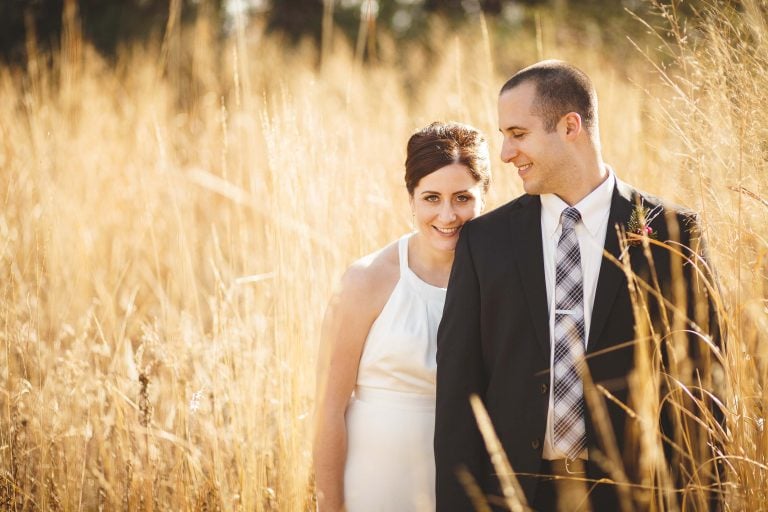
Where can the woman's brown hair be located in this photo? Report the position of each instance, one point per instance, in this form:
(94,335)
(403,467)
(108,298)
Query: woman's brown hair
(440,144)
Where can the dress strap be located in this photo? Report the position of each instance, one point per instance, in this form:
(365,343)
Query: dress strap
(422,288)
(402,248)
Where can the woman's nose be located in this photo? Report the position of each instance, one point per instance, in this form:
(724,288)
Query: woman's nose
(447,213)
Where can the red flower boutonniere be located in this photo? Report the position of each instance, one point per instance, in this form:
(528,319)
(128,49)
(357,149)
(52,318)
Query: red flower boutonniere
(639,225)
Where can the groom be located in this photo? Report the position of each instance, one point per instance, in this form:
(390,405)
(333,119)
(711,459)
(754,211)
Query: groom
(532,297)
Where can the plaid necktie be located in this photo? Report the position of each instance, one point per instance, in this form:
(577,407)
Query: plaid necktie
(569,430)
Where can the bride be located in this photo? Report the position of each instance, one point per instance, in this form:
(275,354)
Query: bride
(376,380)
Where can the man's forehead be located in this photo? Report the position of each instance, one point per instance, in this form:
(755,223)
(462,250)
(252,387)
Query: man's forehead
(515,108)
(524,92)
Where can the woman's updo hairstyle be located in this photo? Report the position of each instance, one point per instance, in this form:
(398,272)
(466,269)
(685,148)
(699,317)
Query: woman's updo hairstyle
(440,144)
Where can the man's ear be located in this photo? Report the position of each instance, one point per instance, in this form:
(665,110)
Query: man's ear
(572,125)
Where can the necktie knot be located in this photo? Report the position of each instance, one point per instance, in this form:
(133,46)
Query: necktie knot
(569,217)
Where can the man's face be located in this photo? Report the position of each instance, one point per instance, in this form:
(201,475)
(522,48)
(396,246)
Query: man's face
(540,156)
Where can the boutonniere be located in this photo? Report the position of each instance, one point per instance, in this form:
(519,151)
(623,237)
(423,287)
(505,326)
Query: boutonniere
(639,224)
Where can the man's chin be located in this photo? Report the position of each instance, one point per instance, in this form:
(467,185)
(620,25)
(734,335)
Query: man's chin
(531,188)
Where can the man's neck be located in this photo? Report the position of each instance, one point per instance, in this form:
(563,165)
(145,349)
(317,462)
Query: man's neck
(592,177)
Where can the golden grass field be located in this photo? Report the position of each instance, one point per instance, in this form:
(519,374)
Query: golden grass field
(173,223)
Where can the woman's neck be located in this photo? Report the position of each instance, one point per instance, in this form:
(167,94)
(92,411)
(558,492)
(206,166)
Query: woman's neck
(431,265)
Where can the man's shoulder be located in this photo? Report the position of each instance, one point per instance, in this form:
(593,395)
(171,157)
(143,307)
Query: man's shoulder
(660,209)
(651,200)
(502,214)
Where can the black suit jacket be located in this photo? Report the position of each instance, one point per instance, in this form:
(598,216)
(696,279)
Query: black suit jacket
(494,338)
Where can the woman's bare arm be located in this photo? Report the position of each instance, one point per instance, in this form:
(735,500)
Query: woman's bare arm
(362,293)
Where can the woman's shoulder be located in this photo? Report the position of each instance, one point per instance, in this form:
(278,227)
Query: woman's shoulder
(372,273)
(366,286)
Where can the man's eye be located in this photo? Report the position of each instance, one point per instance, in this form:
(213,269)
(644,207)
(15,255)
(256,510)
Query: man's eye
(518,135)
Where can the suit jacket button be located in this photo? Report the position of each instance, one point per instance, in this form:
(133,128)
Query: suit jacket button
(544,389)
(535,444)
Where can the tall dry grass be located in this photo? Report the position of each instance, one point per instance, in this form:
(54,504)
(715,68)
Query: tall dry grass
(718,115)
(173,223)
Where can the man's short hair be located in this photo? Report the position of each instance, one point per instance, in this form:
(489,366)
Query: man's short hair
(560,88)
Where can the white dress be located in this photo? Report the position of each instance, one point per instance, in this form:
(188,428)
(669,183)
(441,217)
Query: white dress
(391,416)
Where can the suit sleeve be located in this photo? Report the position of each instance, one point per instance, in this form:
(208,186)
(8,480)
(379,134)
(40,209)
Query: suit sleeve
(706,313)
(701,305)
(700,290)
(460,373)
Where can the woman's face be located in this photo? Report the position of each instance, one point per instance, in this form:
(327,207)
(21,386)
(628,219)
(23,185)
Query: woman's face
(443,201)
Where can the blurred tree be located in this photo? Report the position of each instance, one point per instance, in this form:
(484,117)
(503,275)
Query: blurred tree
(453,8)
(105,23)
(108,23)
(296,18)
(46,22)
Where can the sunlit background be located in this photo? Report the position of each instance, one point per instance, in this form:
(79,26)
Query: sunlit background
(184,181)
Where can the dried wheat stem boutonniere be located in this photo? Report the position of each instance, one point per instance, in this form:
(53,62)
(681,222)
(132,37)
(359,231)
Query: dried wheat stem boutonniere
(639,224)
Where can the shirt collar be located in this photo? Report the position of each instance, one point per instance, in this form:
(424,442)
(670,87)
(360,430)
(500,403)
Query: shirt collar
(593,208)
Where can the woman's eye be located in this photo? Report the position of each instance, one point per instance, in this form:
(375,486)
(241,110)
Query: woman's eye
(463,198)
(432,198)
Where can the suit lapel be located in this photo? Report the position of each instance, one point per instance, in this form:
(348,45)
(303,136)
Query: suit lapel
(611,277)
(530,259)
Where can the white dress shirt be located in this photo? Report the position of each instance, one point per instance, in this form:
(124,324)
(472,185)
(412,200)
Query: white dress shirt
(590,231)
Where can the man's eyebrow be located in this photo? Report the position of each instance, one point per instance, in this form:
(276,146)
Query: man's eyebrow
(511,128)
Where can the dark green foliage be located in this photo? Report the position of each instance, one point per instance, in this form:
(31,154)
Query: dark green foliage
(105,23)
(296,18)
(110,23)
(47,23)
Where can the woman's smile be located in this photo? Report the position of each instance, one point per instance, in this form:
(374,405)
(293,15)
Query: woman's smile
(447,231)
